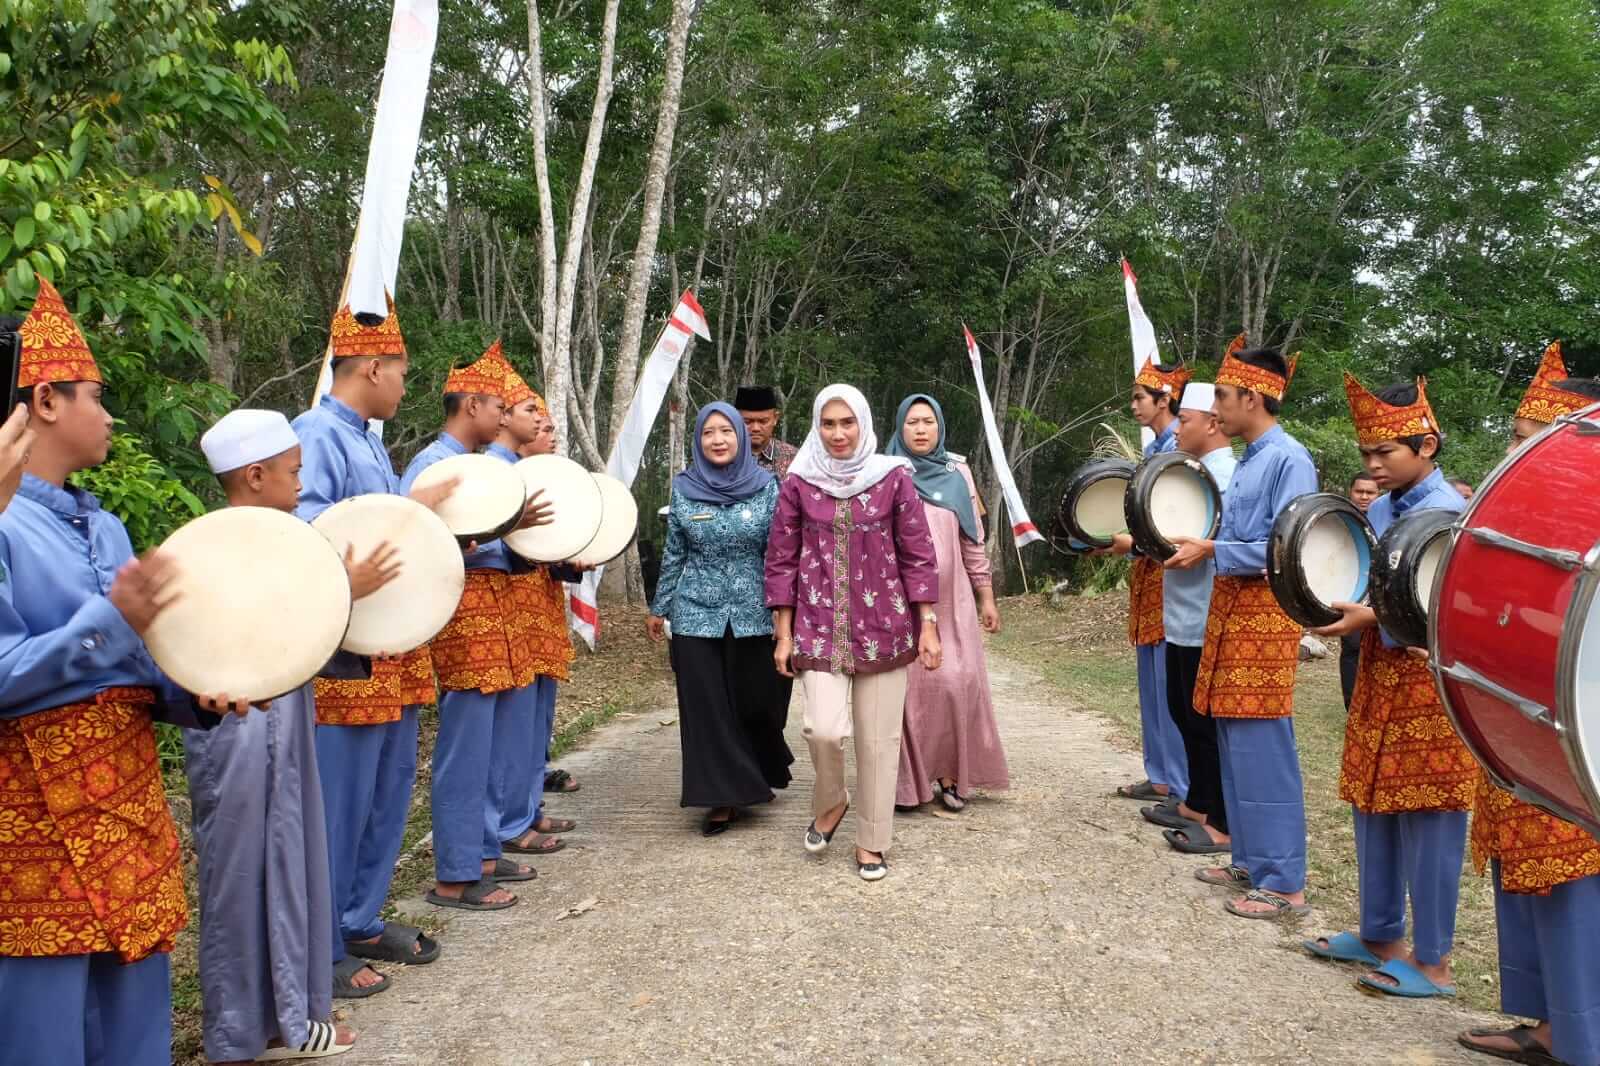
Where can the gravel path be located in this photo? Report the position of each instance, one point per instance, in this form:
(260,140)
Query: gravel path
(1047,925)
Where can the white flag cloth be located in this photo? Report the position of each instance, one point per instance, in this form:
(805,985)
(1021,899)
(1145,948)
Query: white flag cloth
(1022,527)
(1143,333)
(391,159)
(688,320)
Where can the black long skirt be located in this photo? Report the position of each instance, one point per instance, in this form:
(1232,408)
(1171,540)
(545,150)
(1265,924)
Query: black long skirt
(732,708)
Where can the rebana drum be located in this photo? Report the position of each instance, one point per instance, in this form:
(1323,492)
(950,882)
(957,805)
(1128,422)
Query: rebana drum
(1319,553)
(1410,555)
(1091,509)
(1515,641)
(1171,495)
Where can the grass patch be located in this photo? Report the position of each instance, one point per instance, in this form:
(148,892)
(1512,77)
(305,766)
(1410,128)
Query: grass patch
(1080,649)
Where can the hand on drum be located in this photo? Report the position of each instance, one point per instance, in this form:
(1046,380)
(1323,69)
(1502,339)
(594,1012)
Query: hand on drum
(1191,553)
(222,703)
(656,628)
(140,591)
(372,573)
(1357,617)
(539,512)
(431,496)
(1121,544)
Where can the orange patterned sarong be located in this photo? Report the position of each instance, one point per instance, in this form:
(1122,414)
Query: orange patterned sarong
(1400,751)
(474,651)
(1145,625)
(88,852)
(542,604)
(1537,851)
(416,678)
(376,701)
(1252,649)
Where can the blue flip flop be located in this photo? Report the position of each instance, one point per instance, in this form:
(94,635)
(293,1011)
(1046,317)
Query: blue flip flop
(1411,983)
(1343,947)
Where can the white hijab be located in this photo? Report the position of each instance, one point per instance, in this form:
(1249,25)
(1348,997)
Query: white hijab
(843,478)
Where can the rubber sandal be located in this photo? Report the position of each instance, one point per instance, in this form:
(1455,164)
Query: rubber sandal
(1184,840)
(506,870)
(1140,790)
(397,943)
(1529,1051)
(1166,817)
(472,898)
(1410,982)
(558,780)
(1281,907)
(556,825)
(322,1042)
(1343,947)
(345,970)
(1233,876)
(545,845)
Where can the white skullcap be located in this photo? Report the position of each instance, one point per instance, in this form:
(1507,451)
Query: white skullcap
(246,436)
(1198,396)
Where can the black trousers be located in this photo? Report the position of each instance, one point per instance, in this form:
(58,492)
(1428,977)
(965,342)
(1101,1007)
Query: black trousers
(732,708)
(1349,661)
(1199,736)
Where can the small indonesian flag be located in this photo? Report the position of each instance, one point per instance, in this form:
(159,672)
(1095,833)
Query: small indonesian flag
(1022,527)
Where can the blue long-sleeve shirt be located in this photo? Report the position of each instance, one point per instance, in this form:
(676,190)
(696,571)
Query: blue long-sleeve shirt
(1275,470)
(339,458)
(491,555)
(1165,441)
(1432,492)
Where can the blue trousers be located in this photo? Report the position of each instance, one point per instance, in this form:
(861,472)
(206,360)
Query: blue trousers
(1266,800)
(85,1010)
(473,726)
(1164,760)
(1548,948)
(367,772)
(1419,854)
(516,813)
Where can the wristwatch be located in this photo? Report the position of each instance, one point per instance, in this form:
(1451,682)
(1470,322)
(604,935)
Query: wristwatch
(930,617)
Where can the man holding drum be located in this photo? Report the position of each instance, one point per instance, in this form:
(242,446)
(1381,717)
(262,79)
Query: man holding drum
(1405,773)
(1252,648)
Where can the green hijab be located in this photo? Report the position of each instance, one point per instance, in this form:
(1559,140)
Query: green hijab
(938,481)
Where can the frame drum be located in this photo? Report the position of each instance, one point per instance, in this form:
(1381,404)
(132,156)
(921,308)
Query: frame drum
(261,602)
(1171,495)
(619,522)
(576,508)
(410,610)
(488,500)
(1319,553)
(1403,570)
(1091,510)
(1515,640)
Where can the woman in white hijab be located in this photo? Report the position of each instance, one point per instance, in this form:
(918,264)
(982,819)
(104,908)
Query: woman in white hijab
(852,580)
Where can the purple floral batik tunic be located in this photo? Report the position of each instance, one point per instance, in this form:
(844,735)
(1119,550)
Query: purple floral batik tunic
(851,569)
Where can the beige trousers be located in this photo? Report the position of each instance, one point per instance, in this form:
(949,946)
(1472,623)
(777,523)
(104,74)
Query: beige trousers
(870,707)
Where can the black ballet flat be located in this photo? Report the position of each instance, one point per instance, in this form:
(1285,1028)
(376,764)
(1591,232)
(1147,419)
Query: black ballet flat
(818,841)
(713,826)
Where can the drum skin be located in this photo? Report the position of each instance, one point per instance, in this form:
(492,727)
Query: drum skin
(488,500)
(619,523)
(1301,557)
(577,509)
(1400,587)
(1517,622)
(1146,510)
(1099,484)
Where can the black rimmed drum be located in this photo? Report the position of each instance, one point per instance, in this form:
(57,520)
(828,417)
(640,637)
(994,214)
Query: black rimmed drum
(1091,509)
(1320,553)
(1171,495)
(1410,555)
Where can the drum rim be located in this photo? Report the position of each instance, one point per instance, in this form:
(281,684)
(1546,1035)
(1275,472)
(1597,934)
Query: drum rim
(498,531)
(1566,709)
(1081,480)
(1145,476)
(632,539)
(1381,574)
(1304,511)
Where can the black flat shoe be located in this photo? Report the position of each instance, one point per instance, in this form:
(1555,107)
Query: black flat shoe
(818,841)
(873,871)
(712,826)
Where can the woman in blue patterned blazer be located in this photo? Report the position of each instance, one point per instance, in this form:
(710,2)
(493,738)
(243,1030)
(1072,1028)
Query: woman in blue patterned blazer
(732,707)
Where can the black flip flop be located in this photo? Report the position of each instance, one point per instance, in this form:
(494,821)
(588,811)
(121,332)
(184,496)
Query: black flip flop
(1166,816)
(1529,1050)
(506,870)
(1184,840)
(558,780)
(397,943)
(344,972)
(1140,790)
(472,897)
(517,849)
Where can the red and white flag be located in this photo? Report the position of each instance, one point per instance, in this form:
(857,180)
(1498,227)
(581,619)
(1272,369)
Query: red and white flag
(1022,527)
(1143,333)
(688,320)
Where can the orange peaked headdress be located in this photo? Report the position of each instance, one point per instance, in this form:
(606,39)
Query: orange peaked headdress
(1377,421)
(1545,401)
(518,389)
(1238,374)
(53,347)
(1170,382)
(351,338)
(490,375)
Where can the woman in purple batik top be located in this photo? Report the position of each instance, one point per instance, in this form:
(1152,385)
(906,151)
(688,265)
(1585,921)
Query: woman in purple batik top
(852,580)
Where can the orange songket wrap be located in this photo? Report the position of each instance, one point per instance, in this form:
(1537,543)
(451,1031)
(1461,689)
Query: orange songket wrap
(89,855)
(377,700)
(1400,751)
(416,678)
(474,651)
(1251,652)
(1537,851)
(541,613)
(1145,624)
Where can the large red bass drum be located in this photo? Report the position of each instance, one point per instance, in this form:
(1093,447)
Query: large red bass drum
(1515,634)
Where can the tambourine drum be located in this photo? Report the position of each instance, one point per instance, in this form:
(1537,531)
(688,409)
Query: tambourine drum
(1319,553)
(619,523)
(410,610)
(1091,510)
(1409,556)
(1171,495)
(1515,640)
(488,500)
(576,509)
(260,604)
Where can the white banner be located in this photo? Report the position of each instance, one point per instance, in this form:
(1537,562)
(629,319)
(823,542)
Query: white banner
(688,320)
(1143,333)
(391,159)
(1022,527)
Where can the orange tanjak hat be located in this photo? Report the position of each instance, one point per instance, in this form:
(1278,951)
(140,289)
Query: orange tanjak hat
(1377,421)
(518,390)
(1170,382)
(53,347)
(352,339)
(1239,374)
(490,375)
(1545,401)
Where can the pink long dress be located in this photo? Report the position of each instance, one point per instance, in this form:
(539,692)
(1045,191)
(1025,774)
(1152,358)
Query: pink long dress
(950,729)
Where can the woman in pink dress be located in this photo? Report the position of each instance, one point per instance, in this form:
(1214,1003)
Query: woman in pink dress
(949,743)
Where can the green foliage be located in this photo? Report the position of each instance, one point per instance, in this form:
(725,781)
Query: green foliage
(138,490)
